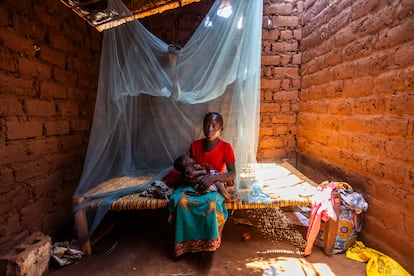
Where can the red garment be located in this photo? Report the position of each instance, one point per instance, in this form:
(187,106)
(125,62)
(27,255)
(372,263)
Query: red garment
(217,158)
(172,178)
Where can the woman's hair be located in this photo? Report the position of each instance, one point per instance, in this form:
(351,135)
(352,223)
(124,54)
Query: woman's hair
(214,115)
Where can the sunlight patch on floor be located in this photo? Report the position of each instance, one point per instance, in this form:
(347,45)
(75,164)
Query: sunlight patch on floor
(280,251)
(289,266)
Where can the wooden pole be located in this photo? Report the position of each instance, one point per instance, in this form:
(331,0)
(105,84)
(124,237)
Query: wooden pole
(332,226)
(81,224)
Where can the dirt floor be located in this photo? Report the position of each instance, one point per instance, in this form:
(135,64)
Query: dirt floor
(139,243)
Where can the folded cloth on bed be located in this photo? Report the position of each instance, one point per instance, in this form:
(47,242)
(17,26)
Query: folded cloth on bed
(158,189)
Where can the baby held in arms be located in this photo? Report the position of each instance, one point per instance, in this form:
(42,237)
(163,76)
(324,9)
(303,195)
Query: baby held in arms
(193,172)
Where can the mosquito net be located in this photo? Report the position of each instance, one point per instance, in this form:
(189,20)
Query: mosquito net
(152,97)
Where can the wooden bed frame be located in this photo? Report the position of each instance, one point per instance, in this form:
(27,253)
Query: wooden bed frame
(285,185)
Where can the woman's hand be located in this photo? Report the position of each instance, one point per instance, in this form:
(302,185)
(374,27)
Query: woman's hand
(206,181)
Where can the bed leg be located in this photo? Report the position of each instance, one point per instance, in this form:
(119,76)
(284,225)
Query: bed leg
(82,228)
(332,227)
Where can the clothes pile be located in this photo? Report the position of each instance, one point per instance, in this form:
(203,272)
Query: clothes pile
(349,218)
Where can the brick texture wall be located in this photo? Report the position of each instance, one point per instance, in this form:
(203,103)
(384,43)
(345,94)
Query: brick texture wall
(49,62)
(356,111)
(337,96)
(280,80)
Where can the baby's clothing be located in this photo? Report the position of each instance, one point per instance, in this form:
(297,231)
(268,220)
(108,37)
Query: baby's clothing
(212,187)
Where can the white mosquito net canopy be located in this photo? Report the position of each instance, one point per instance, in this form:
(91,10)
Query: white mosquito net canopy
(152,97)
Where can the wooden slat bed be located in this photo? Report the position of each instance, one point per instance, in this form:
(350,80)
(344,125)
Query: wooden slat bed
(285,185)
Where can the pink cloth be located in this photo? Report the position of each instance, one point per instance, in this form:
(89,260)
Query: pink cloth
(321,210)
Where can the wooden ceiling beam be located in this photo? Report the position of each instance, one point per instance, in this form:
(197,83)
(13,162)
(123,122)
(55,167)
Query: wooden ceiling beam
(169,5)
(82,4)
(148,12)
(138,8)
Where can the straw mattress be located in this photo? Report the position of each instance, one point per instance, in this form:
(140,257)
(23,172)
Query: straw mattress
(285,185)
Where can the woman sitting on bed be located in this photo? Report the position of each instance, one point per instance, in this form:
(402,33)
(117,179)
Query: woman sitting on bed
(199,218)
(192,173)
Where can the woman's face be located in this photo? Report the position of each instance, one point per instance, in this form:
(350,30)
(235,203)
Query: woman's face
(212,128)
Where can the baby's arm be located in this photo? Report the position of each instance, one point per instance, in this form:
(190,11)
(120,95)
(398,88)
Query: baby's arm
(221,188)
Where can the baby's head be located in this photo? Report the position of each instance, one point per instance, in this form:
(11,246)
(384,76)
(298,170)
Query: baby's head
(182,162)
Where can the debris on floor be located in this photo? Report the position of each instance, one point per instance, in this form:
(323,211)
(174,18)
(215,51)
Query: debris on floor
(242,221)
(273,224)
(65,253)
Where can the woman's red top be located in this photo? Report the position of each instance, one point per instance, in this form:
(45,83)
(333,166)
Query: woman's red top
(217,158)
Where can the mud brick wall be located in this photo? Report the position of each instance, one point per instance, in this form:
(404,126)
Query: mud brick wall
(356,111)
(280,79)
(49,62)
(337,95)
